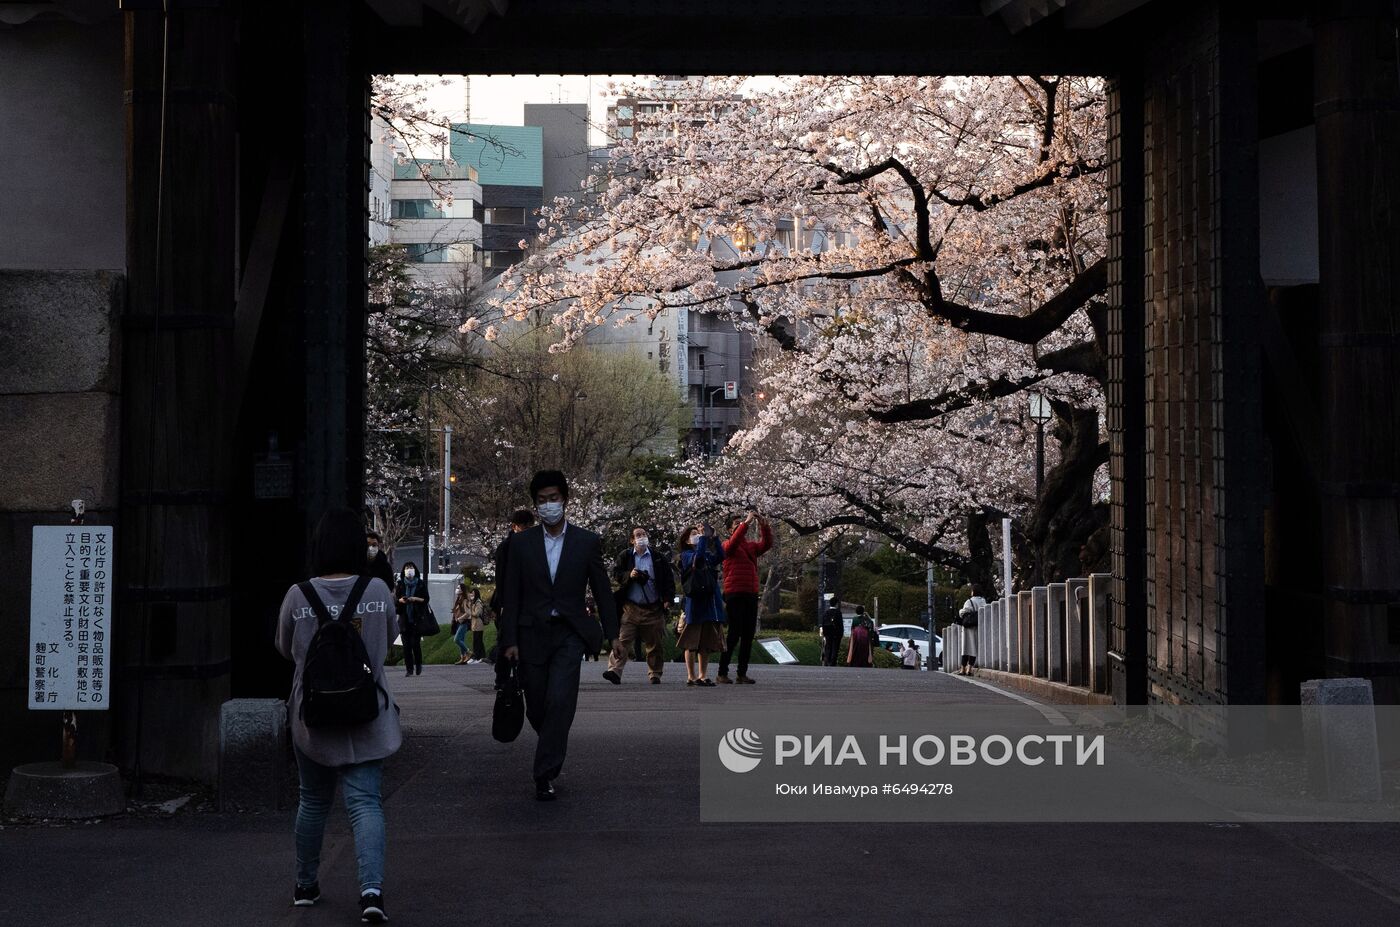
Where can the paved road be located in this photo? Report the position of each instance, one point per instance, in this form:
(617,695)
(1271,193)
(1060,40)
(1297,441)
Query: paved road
(625,846)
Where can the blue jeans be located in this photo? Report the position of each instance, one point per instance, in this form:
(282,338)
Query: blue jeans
(461,637)
(363,806)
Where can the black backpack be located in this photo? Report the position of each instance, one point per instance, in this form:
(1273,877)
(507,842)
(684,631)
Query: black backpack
(698,580)
(337,681)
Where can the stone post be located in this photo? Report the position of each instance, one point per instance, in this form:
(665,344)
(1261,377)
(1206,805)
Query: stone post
(984,633)
(1076,641)
(952,646)
(252,754)
(1055,631)
(1023,631)
(1099,588)
(1339,731)
(1008,634)
(1039,648)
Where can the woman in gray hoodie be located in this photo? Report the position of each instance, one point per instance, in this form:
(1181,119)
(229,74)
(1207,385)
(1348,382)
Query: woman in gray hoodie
(351,754)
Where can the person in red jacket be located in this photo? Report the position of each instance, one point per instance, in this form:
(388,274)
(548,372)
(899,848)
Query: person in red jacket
(741,590)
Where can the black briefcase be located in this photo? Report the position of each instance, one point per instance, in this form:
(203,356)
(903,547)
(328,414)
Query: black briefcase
(508,716)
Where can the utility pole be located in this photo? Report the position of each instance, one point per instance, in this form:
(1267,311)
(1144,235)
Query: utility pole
(427,566)
(446,485)
(932,654)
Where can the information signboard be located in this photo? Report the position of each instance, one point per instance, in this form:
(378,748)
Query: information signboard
(777,650)
(70,617)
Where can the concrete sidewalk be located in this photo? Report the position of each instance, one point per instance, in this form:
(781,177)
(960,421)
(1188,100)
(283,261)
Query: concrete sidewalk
(624,844)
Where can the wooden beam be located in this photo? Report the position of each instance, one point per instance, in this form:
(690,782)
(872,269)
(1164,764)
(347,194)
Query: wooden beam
(257,273)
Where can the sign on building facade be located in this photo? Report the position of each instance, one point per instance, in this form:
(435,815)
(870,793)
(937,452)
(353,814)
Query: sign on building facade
(70,617)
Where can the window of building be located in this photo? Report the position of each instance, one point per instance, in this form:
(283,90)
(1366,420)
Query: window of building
(433,209)
(504,215)
(415,209)
(457,252)
(501,259)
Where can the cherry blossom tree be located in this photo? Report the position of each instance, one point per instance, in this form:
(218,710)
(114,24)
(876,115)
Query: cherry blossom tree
(919,252)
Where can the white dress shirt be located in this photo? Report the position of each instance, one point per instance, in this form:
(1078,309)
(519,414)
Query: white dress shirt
(553,548)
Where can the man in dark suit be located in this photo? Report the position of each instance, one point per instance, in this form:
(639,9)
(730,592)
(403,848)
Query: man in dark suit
(544,623)
(644,593)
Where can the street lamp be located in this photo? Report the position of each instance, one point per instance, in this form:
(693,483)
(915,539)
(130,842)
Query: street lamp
(1040,413)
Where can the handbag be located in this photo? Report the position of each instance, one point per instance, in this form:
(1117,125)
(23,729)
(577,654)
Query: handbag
(428,623)
(508,714)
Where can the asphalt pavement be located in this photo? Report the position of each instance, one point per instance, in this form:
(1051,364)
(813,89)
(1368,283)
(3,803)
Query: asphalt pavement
(624,844)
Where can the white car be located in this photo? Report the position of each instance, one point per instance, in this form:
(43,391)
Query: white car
(894,636)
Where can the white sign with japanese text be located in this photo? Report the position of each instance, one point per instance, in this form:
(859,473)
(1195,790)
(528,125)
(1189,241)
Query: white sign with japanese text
(70,617)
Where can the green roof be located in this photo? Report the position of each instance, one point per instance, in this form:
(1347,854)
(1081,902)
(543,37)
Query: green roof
(511,156)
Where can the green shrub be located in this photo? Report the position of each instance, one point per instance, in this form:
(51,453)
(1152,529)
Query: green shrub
(789,620)
(886,660)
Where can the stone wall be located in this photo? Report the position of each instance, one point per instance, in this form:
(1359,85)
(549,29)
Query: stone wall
(59,386)
(62,264)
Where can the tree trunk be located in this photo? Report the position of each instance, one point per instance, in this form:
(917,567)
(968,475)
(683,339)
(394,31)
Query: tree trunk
(982,566)
(1062,537)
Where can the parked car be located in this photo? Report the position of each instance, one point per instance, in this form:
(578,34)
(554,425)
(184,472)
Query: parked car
(893,636)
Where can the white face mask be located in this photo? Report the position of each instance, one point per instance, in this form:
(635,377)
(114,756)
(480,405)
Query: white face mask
(373,551)
(551,513)
(642,543)
(409,574)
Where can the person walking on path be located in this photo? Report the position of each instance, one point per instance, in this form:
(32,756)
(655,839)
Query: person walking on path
(644,592)
(700,557)
(833,629)
(379,565)
(467,616)
(967,627)
(909,655)
(544,625)
(741,590)
(479,618)
(863,640)
(411,594)
(350,754)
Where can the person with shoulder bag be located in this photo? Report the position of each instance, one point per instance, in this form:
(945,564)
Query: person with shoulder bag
(477,619)
(460,622)
(411,594)
(336,628)
(967,627)
(703,634)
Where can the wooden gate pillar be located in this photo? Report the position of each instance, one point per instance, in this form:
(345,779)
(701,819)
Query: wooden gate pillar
(172,626)
(1357,108)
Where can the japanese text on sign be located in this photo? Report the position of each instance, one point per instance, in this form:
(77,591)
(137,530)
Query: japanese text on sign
(70,617)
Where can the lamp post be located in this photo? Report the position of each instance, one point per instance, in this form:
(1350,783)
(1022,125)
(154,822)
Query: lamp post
(1040,413)
(446,488)
(709,428)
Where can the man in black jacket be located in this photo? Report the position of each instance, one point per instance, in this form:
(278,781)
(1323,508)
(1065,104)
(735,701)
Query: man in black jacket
(545,624)
(833,629)
(645,589)
(378,562)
